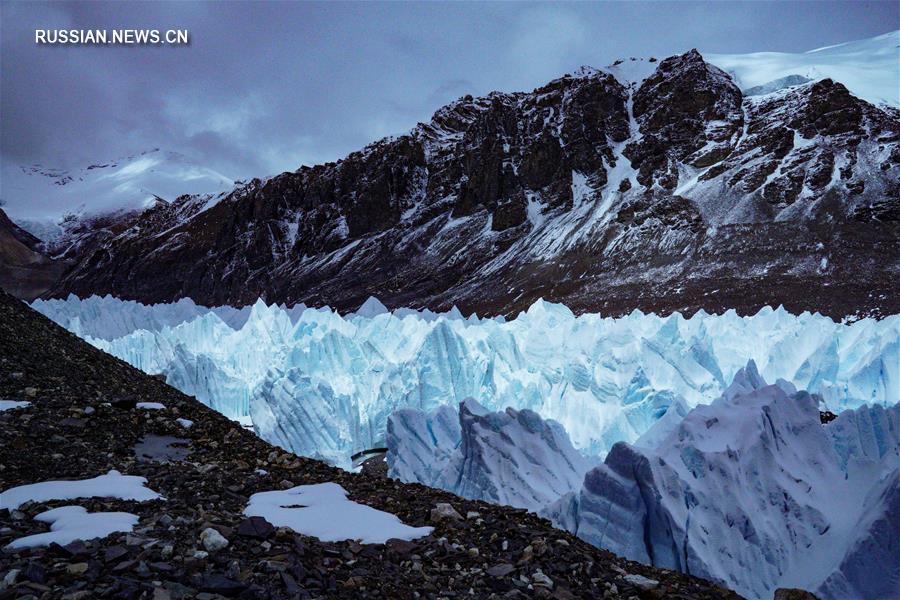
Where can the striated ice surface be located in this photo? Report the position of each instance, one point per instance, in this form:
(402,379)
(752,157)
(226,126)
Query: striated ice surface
(509,457)
(322,384)
(753,491)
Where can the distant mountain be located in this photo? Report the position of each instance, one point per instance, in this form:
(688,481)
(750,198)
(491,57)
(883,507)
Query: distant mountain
(25,270)
(652,184)
(46,200)
(867,67)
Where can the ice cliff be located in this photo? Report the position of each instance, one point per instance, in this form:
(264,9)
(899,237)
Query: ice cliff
(323,384)
(510,457)
(754,491)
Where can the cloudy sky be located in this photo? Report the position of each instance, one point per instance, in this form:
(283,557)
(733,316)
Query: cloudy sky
(266,87)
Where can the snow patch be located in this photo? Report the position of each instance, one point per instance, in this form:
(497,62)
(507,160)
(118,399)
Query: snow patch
(151,406)
(111,485)
(323,511)
(11,404)
(71,523)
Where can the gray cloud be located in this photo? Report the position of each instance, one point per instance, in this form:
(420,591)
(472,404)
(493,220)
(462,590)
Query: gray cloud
(263,88)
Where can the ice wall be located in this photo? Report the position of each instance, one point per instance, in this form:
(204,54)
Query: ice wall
(324,384)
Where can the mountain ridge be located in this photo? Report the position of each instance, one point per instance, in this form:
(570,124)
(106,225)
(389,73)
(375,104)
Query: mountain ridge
(673,192)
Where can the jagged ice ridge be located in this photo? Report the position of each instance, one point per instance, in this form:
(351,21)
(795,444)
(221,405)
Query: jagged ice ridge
(322,384)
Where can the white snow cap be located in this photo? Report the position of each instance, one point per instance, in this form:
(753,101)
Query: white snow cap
(868,68)
(111,485)
(323,511)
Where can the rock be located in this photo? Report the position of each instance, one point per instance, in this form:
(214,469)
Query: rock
(212,540)
(793,594)
(115,554)
(200,554)
(255,527)
(77,568)
(219,584)
(501,570)
(35,572)
(125,403)
(639,581)
(286,484)
(31,392)
(10,578)
(401,546)
(538,578)
(443,511)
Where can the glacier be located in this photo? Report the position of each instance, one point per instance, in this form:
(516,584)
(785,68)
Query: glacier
(323,384)
(755,492)
(511,457)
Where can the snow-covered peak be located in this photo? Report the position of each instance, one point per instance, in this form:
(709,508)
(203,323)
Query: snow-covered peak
(632,71)
(39,197)
(868,68)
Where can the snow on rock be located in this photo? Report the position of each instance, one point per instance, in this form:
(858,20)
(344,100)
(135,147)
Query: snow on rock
(511,457)
(151,405)
(320,384)
(323,511)
(867,67)
(755,492)
(186,423)
(70,523)
(11,404)
(111,485)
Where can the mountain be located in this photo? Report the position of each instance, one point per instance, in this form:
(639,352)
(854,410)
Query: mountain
(867,67)
(756,492)
(321,384)
(48,201)
(655,185)
(188,531)
(24,268)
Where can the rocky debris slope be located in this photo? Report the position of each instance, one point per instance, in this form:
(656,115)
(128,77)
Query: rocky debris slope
(84,421)
(756,492)
(652,184)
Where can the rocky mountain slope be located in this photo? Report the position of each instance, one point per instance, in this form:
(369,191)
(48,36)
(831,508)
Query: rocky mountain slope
(47,200)
(26,271)
(83,413)
(651,184)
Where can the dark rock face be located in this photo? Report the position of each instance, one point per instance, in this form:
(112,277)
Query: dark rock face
(688,111)
(671,193)
(25,271)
